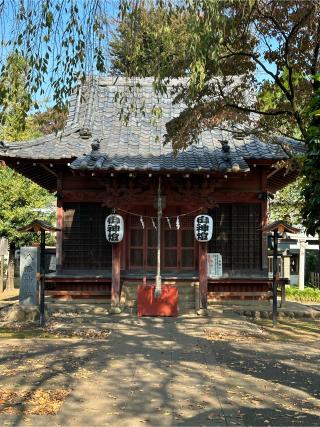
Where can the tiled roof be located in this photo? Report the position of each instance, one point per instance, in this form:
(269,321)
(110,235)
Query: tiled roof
(135,145)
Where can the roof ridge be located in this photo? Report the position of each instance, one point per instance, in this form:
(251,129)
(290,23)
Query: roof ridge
(122,80)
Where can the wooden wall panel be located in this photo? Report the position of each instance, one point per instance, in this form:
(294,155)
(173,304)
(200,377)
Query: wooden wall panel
(84,242)
(237,235)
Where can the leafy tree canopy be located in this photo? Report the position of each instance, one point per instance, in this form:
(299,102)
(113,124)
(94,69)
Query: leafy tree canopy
(20,198)
(20,201)
(311,169)
(272,45)
(251,62)
(287,204)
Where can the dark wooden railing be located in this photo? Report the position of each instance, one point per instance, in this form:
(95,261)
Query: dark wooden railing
(315,279)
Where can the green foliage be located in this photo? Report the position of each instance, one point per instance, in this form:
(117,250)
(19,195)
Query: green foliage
(311,167)
(19,197)
(50,121)
(312,261)
(60,39)
(287,204)
(270,46)
(277,59)
(307,295)
(154,47)
(15,101)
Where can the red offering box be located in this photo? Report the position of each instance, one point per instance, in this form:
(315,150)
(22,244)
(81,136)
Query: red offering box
(164,305)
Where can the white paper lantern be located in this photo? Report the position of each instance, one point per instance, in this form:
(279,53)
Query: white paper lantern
(114,228)
(203,226)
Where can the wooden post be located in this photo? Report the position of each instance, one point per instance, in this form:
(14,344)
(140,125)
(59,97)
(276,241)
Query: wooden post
(42,275)
(59,235)
(115,290)
(157,291)
(1,274)
(264,237)
(203,275)
(275,277)
(59,217)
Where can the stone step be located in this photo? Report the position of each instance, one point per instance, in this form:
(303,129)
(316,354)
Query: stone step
(186,307)
(78,307)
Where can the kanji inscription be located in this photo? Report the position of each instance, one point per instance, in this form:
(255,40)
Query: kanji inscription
(203,226)
(114,228)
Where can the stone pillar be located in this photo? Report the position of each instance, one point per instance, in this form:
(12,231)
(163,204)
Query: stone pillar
(29,266)
(302,262)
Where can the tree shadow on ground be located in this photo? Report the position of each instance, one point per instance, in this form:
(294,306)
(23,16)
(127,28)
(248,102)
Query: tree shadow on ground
(167,372)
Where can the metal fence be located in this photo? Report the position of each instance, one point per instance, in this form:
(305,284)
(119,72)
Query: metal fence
(315,279)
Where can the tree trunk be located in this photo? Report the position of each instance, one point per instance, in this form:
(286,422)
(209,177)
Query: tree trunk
(10,275)
(318,266)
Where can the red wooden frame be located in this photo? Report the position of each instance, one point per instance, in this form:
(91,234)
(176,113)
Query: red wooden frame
(145,247)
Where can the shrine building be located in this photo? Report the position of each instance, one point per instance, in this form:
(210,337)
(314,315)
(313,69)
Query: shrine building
(101,164)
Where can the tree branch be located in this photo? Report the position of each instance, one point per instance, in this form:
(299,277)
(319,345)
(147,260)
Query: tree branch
(315,58)
(288,38)
(265,69)
(262,113)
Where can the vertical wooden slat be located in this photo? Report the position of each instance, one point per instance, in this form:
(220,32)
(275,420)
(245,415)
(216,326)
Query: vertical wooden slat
(59,235)
(264,238)
(59,218)
(203,279)
(115,289)
(84,241)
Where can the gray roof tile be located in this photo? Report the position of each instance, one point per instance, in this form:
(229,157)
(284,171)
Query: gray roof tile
(135,146)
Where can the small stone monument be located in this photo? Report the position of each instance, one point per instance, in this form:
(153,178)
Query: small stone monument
(29,285)
(30,293)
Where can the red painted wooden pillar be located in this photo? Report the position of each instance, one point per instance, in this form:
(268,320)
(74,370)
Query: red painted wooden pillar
(115,289)
(59,217)
(264,238)
(203,276)
(264,221)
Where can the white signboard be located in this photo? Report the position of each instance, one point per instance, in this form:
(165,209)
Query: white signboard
(214,265)
(114,228)
(203,225)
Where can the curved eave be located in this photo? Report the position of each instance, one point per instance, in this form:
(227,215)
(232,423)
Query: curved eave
(41,172)
(281,178)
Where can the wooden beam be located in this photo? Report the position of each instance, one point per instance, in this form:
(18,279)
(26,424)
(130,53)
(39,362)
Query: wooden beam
(77,293)
(49,170)
(73,279)
(239,294)
(203,279)
(115,287)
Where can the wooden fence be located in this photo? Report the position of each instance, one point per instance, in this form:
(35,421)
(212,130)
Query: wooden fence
(315,279)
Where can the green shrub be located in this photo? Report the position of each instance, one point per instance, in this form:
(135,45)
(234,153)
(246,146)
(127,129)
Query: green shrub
(307,295)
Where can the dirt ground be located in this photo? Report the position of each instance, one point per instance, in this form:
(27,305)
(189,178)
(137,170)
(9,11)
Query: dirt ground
(188,371)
